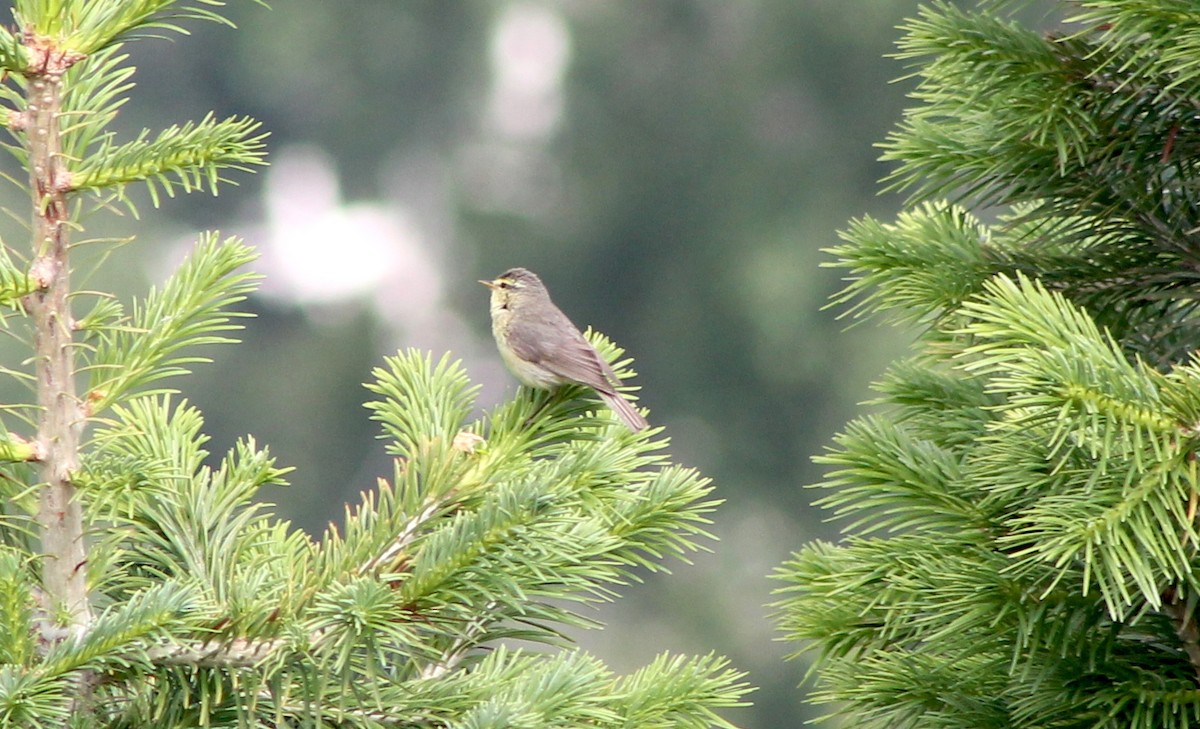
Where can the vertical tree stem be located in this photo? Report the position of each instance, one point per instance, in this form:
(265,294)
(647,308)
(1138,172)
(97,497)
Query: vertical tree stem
(61,415)
(1185,626)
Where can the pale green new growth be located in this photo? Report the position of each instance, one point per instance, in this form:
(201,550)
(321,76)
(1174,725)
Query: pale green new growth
(190,310)
(398,617)
(15,281)
(87,26)
(190,157)
(95,92)
(12,53)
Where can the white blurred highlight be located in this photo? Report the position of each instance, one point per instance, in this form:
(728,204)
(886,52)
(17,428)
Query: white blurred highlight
(529,52)
(321,250)
(331,258)
(507,165)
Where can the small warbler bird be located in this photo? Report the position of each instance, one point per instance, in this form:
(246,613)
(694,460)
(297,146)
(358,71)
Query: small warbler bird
(543,349)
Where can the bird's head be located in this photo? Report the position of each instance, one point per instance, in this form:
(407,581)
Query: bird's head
(515,288)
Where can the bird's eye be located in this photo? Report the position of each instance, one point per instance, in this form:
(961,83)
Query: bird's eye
(506,284)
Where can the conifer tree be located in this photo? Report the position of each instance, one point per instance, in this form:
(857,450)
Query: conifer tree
(1021,512)
(143,585)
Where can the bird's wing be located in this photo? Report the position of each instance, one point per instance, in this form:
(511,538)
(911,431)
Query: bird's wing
(579,361)
(565,353)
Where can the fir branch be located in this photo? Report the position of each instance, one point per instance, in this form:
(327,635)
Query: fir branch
(106,313)
(95,91)
(1061,377)
(420,397)
(1056,392)
(162,438)
(889,481)
(17,646)
(393,554)
(993,91)
(517,544)
(452,656)
(1146,696)
(473,545)
(670,689)
(120,634)
(215,613)
(1128,539)
(15,449)
(562,691)
(664,517)
(1058,372)
(437,477)
(1027,336)
(924,265)
(936,404)
(32,700)
(187,157)
(1163,37)
(1011,116)
(910,689)
(379,533)
(13,57)
(15,282)
(362,627)
(86,27)
(509,687)
(190,310)
(403,637)
(200,526)
(908,590)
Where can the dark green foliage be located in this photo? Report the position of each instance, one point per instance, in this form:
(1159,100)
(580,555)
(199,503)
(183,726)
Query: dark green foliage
(1024,545)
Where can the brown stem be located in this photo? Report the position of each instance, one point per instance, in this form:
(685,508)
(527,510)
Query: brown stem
(61,416)
(1184,618)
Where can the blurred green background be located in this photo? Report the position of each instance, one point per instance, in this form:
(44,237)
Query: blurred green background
(671,168)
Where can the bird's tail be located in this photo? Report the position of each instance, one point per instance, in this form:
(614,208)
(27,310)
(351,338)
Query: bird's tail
(625,411)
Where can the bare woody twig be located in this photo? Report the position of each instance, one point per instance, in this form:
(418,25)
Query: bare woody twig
(234,653)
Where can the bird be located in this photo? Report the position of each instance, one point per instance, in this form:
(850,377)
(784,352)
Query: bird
(543,349)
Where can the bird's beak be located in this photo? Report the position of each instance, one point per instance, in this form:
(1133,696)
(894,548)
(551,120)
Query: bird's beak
(489,284)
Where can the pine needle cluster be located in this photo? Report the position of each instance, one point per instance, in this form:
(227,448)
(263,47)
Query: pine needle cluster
(145,583)
(1021,514)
